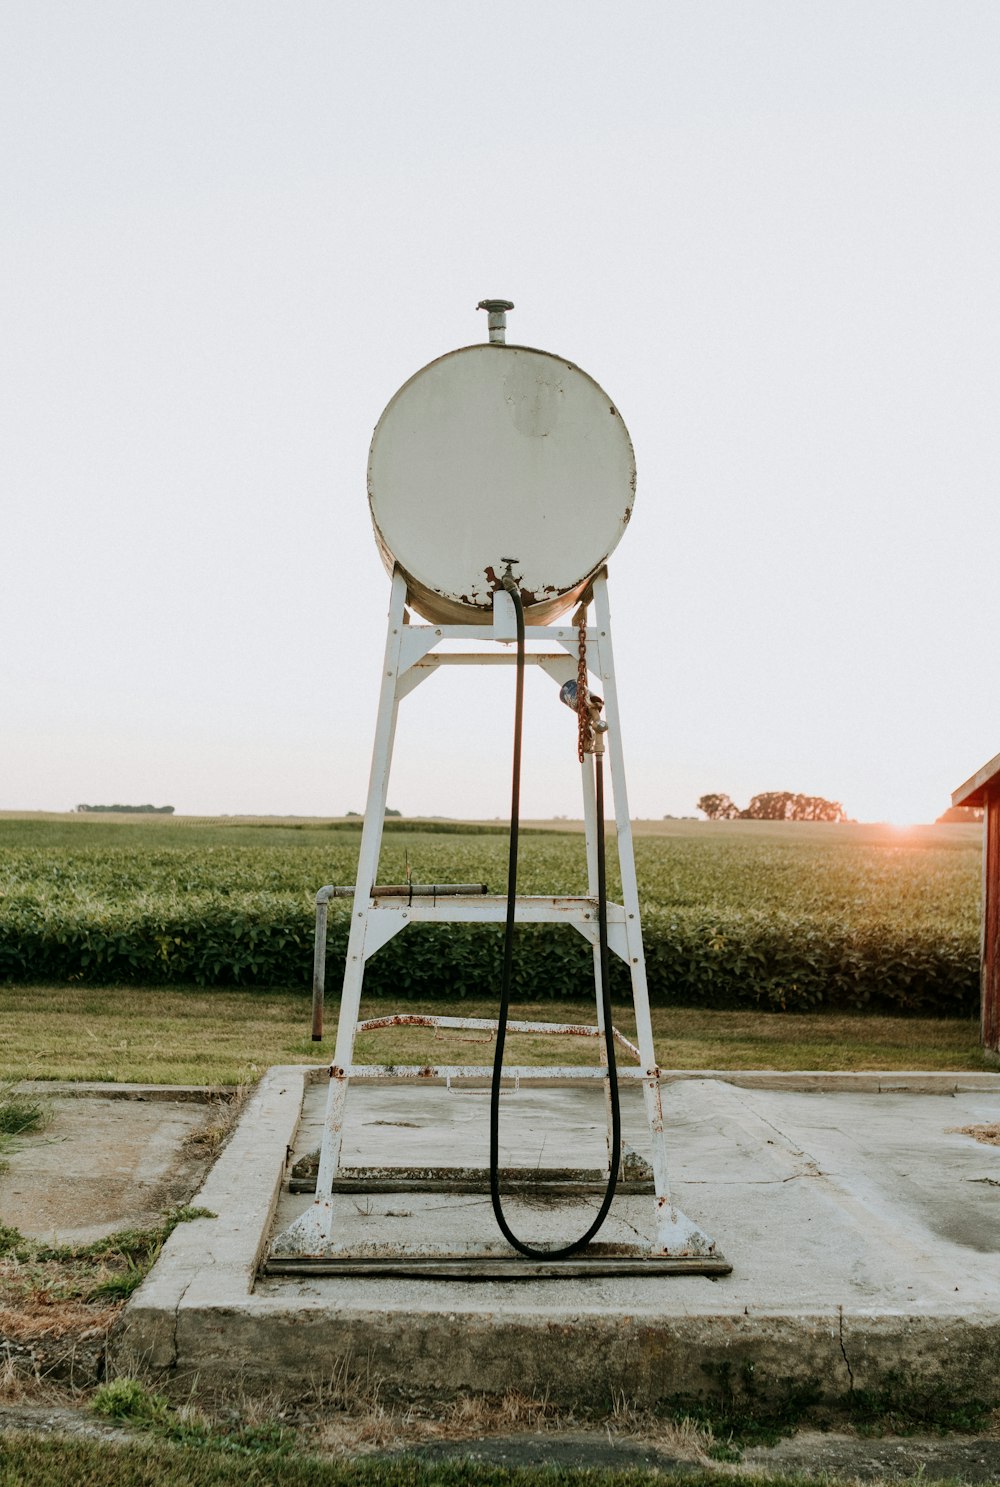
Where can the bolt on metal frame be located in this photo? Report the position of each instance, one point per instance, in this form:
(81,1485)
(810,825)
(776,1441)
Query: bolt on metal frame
(380,913)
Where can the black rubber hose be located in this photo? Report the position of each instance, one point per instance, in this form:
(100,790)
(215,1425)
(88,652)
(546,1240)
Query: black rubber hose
(564,1251)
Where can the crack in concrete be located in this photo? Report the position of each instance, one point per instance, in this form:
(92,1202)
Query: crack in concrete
(793,1147)
(843,1350)
(754,1182)
(173,1339)
(626,1225)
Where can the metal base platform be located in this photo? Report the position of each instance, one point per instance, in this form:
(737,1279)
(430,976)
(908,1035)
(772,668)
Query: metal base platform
(478,1182)
(557,1183)
(480,1266)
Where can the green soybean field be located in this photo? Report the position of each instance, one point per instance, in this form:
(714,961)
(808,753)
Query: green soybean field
(780,917)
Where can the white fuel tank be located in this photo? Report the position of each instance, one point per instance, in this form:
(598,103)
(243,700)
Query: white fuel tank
(497,452)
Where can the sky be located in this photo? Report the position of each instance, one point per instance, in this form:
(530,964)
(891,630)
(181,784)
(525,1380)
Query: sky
(769,230)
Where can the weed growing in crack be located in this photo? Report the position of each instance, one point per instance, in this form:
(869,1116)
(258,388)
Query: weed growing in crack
(20,1115)
(105,1271)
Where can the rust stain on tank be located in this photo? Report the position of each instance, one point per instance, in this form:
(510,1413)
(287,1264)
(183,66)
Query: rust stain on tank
(528,596)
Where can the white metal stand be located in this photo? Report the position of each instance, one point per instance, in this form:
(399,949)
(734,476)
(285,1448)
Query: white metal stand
(411,655)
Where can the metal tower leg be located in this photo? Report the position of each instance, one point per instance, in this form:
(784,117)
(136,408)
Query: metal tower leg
(314,1227)
(675,1234)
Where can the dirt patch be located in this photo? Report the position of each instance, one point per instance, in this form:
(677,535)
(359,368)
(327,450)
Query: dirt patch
(100,1165)
(681,1451)
(57,1420)
(69,1348)
(541,1438)
(40,1314)
(572,1451)
(987,1135)
(343,1419)
(954,1457)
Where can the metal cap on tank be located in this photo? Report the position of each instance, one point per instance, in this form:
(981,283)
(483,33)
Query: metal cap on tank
(496,319)
(495,449)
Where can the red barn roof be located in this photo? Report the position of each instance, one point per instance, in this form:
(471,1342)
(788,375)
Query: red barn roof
(974,791)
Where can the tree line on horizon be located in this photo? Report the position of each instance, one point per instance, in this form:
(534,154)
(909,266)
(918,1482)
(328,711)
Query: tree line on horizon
(131,810)
(773,805)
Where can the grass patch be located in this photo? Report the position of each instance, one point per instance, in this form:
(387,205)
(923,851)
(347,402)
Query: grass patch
(901,1409)
(129,1401)
(56,1287)
(742,1415)
(195,1443)
(20,1115)
(40,1462)
(191,1036)
(738,1417)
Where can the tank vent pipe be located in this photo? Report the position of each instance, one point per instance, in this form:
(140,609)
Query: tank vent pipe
(496,311)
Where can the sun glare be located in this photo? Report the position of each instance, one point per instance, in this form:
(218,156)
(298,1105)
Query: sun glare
(904,815)
(904,811)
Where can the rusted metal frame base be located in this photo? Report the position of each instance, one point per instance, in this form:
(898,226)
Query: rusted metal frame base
(549,1186)
(634,1169)
(481,1267)
(490,1025)
(514,1074)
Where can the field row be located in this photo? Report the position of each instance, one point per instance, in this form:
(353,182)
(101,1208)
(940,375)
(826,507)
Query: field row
(778,922)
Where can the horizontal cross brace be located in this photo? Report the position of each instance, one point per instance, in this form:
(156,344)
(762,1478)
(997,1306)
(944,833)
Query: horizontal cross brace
(386,917)
(516,1073)
(492,908)
(486,658)
(531,632)
(490,1025)
(404,890)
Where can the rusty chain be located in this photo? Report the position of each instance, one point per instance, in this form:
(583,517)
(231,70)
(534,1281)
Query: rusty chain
(582,691)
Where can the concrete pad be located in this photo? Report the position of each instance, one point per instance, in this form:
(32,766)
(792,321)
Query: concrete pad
(101,1163)
(541,1129)
(860,1224)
